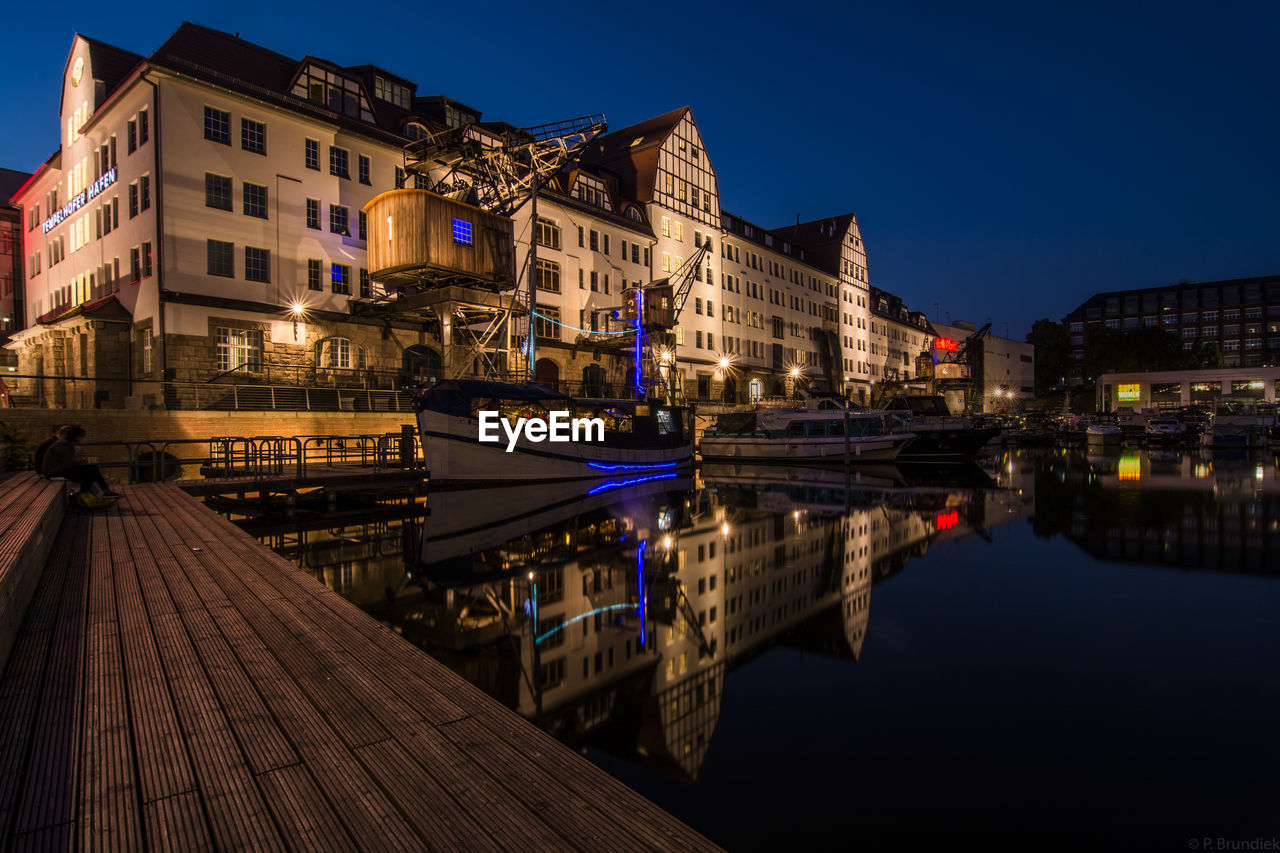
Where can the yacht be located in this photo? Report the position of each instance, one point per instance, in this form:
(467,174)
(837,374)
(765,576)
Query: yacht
(793,434)
(939,434)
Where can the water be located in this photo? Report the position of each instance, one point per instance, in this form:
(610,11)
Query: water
(1041,651)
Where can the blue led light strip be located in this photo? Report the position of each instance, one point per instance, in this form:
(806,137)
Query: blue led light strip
(644,543)
(576,329)
(654,466)
(586,615)
(617,484)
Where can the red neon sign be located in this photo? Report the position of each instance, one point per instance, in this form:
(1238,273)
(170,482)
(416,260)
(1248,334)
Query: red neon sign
(945,344)
(946,520)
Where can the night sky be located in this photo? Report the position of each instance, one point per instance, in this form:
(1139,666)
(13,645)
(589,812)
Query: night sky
(1005,160)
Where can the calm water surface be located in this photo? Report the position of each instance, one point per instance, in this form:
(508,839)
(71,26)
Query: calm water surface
(1048,650)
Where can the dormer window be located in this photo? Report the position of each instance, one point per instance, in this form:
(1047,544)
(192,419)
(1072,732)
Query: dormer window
(391,92)
(333,91)
(415,130)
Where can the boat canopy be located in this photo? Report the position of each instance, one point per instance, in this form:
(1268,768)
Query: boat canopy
(919,405)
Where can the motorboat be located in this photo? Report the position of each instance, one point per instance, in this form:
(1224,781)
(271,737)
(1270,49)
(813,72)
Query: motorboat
(1165,430)
(939,434)
(796,434)
(634,437)
(1104,431)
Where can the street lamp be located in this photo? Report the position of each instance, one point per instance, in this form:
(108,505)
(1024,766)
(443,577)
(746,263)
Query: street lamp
(296,311)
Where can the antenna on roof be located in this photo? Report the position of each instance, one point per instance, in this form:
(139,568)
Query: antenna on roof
(797,219)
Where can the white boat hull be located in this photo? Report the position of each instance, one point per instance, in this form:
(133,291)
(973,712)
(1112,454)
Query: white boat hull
(455,454)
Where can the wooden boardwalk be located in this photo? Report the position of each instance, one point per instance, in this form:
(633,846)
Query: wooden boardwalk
(177,686)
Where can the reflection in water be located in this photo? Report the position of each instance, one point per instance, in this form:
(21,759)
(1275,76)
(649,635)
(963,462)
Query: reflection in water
(613,614)
(1196,510)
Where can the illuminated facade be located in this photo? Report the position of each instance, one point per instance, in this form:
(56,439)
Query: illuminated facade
(201,194)
(1175,389)
(1004,374)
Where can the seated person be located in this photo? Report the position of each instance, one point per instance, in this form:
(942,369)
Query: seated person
(60,460)
(37,458)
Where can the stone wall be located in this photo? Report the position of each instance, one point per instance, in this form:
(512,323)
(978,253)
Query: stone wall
(159,426)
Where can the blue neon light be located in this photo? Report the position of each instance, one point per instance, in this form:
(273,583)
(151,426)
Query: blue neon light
(618,484)
(640,576)
(586,615)
(639,368)
(655,466)
(462,232)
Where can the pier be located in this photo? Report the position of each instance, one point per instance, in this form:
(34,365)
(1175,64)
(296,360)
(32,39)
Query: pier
(175,685)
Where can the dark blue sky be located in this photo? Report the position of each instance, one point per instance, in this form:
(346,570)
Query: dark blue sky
(1005,160)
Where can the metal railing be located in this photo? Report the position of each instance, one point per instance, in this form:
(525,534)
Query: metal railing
(253,458)
(271,389)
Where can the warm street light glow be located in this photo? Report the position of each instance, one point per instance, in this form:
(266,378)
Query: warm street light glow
(724,362)
(297,309)
(795,373)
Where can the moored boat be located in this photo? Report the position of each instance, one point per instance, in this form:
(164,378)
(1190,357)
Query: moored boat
(939,435)
(636,438)
(791,435)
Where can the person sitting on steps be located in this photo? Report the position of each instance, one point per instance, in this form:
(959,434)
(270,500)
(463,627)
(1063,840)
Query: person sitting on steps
(60,460)
(37,458)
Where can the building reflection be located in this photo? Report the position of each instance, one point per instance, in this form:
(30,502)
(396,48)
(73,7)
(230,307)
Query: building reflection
(613,617)
(1189,509)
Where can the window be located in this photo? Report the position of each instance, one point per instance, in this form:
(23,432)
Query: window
(144,129)
(595,241)
(144,192)
(392,93)
(339,162)
(133,200)
(340,278)
(253,136)
(217,194)
(222,258)
(313,154)
(132,135)
(364,170)
(548,233)
(313,274)
(239,348)
(257,265)
(666,227)
(548,276)
(401,174)
(313,213)
(462,232)
(363,225)
(547,323)
(333,353)
(606,244)
(338,216)
(580,237)
(255,200)
(135,266)
(366,288)
(146,260)
(217,125)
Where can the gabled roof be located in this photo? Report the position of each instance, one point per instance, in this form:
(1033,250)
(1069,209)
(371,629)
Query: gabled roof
(108,64)
(632,153)
(822,239)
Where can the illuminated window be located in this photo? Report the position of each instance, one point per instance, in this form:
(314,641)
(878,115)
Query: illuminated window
(548,276)
(239,348)
(462,232)
(340,278)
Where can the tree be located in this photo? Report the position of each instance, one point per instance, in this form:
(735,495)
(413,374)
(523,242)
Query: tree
(1052,354)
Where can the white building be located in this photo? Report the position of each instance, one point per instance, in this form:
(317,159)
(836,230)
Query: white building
(202,221)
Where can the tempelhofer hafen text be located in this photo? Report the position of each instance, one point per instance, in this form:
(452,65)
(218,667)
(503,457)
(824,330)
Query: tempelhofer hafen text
(558,426)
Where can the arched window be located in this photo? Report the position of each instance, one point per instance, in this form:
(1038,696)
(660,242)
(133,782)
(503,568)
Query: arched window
(340,354)
(415,131)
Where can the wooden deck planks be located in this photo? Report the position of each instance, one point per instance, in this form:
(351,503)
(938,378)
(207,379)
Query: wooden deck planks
(205,694)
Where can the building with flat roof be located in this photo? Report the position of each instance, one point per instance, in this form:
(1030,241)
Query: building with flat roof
(1241,317)
(1175,389)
